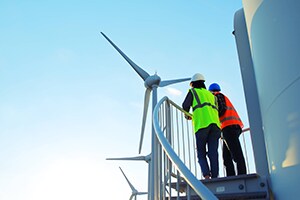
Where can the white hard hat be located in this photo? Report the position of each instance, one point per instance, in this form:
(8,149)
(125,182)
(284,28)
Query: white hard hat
(198,77)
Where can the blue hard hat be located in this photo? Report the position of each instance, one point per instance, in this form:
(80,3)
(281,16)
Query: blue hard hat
(214,87)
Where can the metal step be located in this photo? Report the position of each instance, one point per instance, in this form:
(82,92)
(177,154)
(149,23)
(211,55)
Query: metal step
(250,186)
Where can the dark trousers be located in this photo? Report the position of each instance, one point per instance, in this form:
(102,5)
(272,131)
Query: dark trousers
(209,136)
(232,150)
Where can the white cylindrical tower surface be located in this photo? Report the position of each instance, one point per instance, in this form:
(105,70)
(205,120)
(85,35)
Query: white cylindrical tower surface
(274,34)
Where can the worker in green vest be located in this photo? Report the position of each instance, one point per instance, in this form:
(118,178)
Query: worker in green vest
(206,124)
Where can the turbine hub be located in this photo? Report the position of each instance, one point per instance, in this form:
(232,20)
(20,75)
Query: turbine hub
(152,80)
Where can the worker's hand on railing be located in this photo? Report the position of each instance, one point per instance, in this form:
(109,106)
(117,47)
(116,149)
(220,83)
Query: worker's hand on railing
(187,117)
(245,129)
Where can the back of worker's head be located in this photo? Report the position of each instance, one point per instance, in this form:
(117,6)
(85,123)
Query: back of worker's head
(214,87)
(197,81)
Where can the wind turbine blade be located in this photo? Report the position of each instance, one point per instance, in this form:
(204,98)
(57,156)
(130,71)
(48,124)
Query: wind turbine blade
(142,193)
(131,197)
(169,82)
(146,104)
(131,186)
(143,74)
(129,158)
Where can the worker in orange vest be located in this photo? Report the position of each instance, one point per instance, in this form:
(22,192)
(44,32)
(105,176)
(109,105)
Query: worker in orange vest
(231,126)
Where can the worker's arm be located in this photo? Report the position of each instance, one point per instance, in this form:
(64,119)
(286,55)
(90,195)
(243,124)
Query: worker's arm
(221,104)
(187,103)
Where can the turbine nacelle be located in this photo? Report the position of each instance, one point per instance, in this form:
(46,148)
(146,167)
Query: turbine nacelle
(152,81)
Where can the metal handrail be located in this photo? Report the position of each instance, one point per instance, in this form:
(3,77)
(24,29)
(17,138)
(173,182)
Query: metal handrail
(176,144)
(189,177)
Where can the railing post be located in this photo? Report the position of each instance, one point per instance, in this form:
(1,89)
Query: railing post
(168,132)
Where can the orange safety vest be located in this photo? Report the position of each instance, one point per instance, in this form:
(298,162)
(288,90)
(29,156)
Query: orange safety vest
(230,116)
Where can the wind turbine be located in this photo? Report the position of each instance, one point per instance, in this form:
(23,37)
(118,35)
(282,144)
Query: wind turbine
(134,191)
(151,82)
(147,159)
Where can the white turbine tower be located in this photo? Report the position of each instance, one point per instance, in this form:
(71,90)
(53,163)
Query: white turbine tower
(151,82)
(135,192)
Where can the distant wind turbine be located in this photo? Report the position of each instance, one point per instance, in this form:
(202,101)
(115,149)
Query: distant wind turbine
(134,191)
(147,159)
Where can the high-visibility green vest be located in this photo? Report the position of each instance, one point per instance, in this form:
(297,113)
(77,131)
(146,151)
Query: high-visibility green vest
(205,109)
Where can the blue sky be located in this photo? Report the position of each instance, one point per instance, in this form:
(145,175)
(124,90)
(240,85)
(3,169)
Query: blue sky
(68,100)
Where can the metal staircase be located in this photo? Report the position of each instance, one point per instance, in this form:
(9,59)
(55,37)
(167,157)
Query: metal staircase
(250,186)
(179,175)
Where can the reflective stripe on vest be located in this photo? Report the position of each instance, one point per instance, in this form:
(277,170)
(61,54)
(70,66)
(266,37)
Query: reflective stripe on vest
(230,116)
(199,105)
(205,110)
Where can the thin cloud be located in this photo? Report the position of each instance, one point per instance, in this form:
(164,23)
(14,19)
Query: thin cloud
(173,91)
